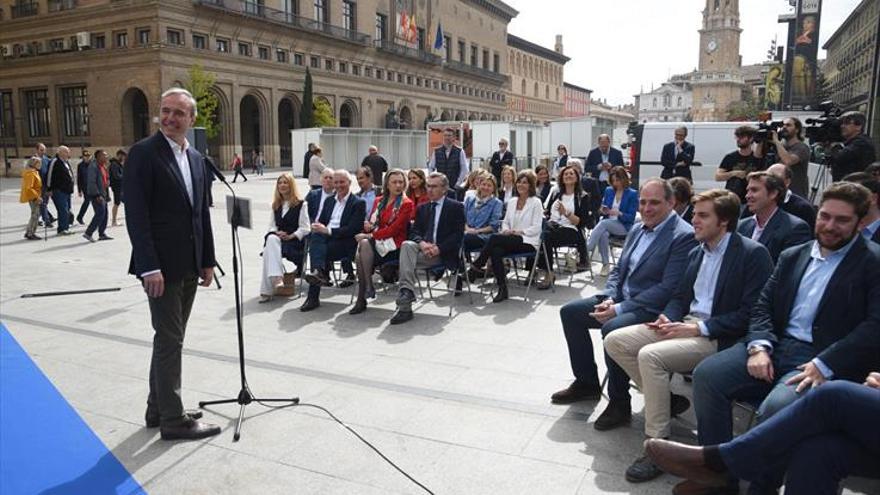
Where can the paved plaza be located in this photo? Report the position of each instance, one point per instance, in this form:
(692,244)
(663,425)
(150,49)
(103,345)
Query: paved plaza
(461,404)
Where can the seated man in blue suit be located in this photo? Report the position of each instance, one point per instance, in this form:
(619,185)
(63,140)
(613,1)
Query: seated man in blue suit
(317,197)
(709,312)
(817,441)
(791,202)
(817,319)
(678,156)
(602,158)
(435,237)
(645,278)
(769,224)
(332,237)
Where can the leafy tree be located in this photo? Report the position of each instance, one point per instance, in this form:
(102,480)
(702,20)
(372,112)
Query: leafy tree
(747,109)
(306,114)
(323,116)
(200,84)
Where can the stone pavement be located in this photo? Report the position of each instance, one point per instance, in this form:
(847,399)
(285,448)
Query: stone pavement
(461,404)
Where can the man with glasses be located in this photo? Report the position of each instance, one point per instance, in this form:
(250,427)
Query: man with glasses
(500,158)
(602,158)
(678,156)
(858,151)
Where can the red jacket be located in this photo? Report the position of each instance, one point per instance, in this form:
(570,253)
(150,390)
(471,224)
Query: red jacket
(393,223)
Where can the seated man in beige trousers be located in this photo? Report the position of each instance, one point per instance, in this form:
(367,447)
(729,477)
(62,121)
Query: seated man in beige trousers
(709,312)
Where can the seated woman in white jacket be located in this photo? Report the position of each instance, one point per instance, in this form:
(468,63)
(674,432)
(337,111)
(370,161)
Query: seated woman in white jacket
(287,230)
(520,232)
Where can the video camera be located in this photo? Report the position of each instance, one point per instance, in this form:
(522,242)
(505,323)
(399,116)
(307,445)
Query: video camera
(825,128)
(765,128)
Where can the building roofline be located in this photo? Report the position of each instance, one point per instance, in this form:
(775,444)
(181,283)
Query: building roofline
(496,7)
(535,49)
(844,24)
(575,86)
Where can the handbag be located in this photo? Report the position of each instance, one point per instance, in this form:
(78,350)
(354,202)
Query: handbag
(385,246)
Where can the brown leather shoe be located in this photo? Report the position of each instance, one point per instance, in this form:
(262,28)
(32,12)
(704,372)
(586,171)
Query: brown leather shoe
(576,392)
(684,461)
(189,429)
(153,421)
(688,487)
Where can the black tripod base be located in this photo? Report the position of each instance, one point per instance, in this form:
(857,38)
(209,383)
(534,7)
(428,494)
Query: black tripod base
(244,398)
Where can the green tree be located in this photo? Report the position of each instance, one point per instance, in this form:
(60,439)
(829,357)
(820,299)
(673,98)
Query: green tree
(323,116)
(306,114)
(747,109)
(200,84)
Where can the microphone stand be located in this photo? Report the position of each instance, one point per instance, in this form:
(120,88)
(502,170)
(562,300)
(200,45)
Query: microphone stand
(245,396)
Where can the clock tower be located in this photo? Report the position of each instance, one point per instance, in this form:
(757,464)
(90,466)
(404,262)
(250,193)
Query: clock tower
(718,82)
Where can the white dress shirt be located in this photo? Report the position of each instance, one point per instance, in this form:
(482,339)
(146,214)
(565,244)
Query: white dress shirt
(182,164)
(336,216)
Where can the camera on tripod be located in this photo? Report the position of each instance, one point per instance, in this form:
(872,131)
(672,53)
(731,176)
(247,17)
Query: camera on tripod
(826,127)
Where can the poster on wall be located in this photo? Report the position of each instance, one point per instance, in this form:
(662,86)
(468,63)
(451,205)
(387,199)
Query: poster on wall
(773,84)
(800,86)
(406,31)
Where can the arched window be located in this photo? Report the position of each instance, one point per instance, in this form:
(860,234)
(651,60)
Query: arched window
(523,91)
(678,102)
(546,92)
(536,90)
(655,103)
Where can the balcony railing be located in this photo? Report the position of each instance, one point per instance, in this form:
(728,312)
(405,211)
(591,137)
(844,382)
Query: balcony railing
(59,5)
(257,10)
(476,71)
(405,51)
(25,9)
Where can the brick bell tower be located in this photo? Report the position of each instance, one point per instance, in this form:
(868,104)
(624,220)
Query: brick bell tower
(719,81)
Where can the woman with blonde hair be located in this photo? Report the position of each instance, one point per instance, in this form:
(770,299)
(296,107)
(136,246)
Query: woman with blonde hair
(31,187)
(384,232)
(507,188)
(287,229)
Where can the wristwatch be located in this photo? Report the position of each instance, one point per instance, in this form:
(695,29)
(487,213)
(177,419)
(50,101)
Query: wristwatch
(755,349)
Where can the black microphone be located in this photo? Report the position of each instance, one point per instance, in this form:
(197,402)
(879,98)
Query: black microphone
(214,170)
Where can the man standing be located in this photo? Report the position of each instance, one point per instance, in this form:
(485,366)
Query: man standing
(81,171)
(450,160)
(769,225)
(858,150)
(435,237)
(792,203)
(377,164)
(60,186)
(677,156)
(500,158)
(602,158)
(40,151)
(98,192)
(794,153)
(646,276)
(116,172)
(306,159)
(710,311)
(237,168)
(738,164)
(169,225)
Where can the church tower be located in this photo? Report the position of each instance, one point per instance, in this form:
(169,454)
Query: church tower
(718,82)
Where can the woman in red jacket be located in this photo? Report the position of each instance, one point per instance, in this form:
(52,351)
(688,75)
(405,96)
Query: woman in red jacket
(384,233)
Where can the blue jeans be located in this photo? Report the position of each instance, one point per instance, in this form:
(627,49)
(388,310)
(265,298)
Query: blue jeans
(576,323)
(724,377)
(62,206)
(601,235)
(99,220)
(323,251)
(819,440)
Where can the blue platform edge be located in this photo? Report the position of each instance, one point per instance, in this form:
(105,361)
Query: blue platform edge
(45,446)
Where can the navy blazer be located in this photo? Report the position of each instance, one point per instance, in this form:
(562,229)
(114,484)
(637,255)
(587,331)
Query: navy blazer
(781,232)
(846,329)
(876,237)
(167,232)
(313,200)
(656,276)
(801,208)
(629,204)
(352,221)
(594,159)
(745,268)
(668,159)
(450,231)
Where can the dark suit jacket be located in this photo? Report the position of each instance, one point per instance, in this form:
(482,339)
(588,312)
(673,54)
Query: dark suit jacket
(450,231)
(846,330)
(801,208)
(659,271)
(594,159)
(688,214)
(744,270)
(668,159)
(167,232)
(876,237)
(497,162)
(60,176)
(313,200)
(352,221)
(782,232)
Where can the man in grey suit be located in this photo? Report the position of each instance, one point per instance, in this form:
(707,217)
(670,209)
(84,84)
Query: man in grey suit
(769,224)
(710,311)
(649,270)
(172,247)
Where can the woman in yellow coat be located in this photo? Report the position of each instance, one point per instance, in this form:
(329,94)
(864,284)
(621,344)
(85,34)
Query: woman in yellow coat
(31,185)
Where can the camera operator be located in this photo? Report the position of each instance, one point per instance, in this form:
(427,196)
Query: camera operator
(858,150)
(738,164)
(794,153)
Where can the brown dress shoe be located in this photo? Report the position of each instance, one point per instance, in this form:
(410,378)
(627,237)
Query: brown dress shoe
(189,429)
(576,392)
(688,487)
(684,461)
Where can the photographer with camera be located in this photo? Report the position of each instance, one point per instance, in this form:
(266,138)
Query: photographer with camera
(858,150)
(793,152)
(738,164)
